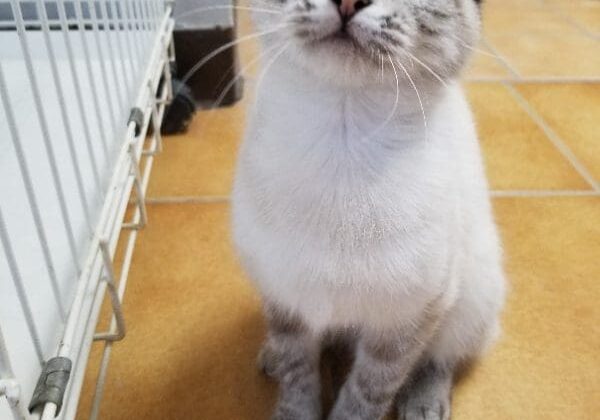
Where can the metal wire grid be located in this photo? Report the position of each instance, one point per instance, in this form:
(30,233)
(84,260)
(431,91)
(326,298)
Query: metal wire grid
(133,41)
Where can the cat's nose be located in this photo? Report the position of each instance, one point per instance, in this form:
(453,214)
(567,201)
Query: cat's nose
(349,8)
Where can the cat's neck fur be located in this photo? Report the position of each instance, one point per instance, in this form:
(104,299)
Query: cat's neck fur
(289,93)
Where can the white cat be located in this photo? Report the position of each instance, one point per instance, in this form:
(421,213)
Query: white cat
(360,203)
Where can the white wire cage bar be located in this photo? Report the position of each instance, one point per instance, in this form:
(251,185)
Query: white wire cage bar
(81,84)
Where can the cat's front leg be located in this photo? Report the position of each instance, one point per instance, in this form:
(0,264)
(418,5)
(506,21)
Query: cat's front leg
(291,356)
(383,362)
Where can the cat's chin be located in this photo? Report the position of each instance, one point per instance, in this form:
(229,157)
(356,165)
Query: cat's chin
(339,43)
(339,58)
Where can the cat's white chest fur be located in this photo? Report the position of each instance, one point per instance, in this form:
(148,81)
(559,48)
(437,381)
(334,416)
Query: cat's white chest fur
(347,221)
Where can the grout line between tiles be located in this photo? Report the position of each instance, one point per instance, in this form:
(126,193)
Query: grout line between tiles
(543,193)
(568,19)
(216,199)
(534,80)
(554,138)
(201,199)
(500,58)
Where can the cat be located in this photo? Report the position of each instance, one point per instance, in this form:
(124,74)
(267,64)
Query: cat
(360,204)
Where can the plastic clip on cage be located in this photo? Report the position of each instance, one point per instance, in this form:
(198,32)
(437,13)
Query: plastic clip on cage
(80,83)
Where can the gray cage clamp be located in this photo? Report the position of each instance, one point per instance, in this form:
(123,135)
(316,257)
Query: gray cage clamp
(136,116)
(52,384)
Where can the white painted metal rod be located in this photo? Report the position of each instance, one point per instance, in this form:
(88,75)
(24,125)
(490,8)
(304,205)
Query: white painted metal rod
(139,13)
(102,63)
(138,30)
(172,51)
(143,26)
(66,120)
(126,92)
(151,5)
(153,12)
(45,132)
(134,52)
(120,109)
(36,23)
(62,14)
(148,28)
(134,34)
(29,191)
(167,71)
(117,333)
(155,121)
(159,10)
(92,80)
(124,38)
(141,201)
(134,58)
(20,288)
(142,18)
(9,387)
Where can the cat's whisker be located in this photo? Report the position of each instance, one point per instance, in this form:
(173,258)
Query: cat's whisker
(268,66)
(426,67)
(225,74)
(474,49)
(397,80)
(224,7)
(300,18)
(224,47)
(410,79)
(396,101)
(242,72)
(267,3)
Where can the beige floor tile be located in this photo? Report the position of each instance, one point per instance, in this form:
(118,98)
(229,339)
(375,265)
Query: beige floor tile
(201,161)
(509,4)
(573,112)
(545,364)
(538,42)
(249,50)
(520,19)
(570,54)
(517,153)
(585,13)
(587,19)
(483,65)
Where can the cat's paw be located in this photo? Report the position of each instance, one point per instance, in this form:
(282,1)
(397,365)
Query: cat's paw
(282,414)
(427,395)
(291,410)
(420,410)
(268,361)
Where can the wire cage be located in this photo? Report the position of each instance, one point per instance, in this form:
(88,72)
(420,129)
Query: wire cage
(83,90)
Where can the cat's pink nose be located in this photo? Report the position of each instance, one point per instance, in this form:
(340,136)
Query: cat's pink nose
(349,8)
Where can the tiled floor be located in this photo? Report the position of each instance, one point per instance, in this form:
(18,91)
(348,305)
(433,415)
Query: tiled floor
(195,324)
